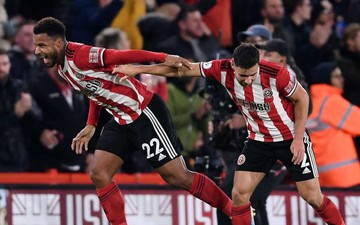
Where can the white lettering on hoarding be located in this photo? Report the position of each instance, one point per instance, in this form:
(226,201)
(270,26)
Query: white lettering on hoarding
(193,211)
(152,208)
(352,209)
(36,209)
(84,208)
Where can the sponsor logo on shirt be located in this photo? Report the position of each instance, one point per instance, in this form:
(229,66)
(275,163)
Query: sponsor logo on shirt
(91,87)
(207,65)
(253,106)
(94,55)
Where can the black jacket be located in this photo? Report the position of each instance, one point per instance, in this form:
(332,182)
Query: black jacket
(13,152)
(60,116)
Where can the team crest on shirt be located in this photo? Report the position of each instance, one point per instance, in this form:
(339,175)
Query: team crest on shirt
(79,76)
(267,93)
(91,87)
(241,160)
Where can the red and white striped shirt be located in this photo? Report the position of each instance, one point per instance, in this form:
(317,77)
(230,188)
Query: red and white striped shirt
(88,70)
(268,112)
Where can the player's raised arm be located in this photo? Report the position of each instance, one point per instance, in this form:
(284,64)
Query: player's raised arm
(159,69)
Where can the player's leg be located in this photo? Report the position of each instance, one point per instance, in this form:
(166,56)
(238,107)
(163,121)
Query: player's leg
(106,163)
(310,191)
(176,174)
(254,162)
(156,138)
(245,183)
(306,178)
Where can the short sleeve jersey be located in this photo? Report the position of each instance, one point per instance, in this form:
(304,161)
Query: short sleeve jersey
(84,68)
(268,112)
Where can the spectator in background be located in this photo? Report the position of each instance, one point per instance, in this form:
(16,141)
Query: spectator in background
(256,34)
(15,103)
(88,17)
(297,20)
(25,65)
(193,40)
(190,113)
(349,62)
(332,124)
(273,14)
(322,42)
(4,43)
(63,115)
(159,24)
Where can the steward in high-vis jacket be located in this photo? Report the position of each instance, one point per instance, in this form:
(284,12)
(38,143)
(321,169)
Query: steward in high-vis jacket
(332,124)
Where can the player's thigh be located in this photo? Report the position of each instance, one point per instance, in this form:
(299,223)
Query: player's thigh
(154,135)
(112,149)
(307,169)
(175,173)
(245,182)
(310,191)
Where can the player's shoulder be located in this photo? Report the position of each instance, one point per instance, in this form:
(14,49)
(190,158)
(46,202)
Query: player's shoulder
(270,68)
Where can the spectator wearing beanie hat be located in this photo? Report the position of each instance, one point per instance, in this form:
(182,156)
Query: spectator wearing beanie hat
(331,125)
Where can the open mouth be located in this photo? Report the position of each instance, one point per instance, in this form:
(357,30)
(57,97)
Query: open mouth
(45,58)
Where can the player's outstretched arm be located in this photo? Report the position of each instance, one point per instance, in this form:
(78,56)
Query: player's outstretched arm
(158,69)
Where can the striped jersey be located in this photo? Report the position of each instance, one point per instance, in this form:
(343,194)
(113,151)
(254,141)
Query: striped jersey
(88,70)
(268,112)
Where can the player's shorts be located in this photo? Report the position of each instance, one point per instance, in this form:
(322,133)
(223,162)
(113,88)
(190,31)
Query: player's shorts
(259,156)
(153,134)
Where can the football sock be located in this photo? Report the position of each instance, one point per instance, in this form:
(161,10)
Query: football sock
(330,213)
(206,190)
(112,201)
(241,215)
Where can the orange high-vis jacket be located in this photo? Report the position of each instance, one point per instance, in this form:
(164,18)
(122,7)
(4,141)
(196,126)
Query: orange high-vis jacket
(332,125)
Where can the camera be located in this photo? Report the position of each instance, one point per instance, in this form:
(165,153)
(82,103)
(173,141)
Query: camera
(222,107)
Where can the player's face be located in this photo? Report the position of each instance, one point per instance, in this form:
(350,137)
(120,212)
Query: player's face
(246,76)
(47,48)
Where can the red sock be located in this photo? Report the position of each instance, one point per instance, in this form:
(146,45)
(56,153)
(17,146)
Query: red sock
(206,190)
(112,202)
(330,213)
(241,215)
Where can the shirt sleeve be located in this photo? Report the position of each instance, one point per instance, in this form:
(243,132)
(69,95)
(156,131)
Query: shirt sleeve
(116,57)
(285,82)
(95,57)
(94,113)
(211,69)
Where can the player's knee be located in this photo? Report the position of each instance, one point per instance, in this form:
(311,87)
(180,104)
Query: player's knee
(99,177)
(240,196)
(312,198)
(180,180)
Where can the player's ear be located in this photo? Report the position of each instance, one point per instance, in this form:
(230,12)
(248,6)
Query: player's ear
(232,64)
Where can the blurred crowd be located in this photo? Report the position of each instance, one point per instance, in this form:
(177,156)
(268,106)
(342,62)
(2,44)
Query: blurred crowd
(317,40)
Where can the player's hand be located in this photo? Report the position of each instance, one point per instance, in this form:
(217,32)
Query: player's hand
(126,71)
(177,61)
(298,150)
(82,139)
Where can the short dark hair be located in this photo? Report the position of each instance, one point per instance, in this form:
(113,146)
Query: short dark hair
(185,9)
(3,52)
(50,26)
(246,56)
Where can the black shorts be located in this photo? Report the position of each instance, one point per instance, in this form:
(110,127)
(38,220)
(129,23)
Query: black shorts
(153,134)
(259,156)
